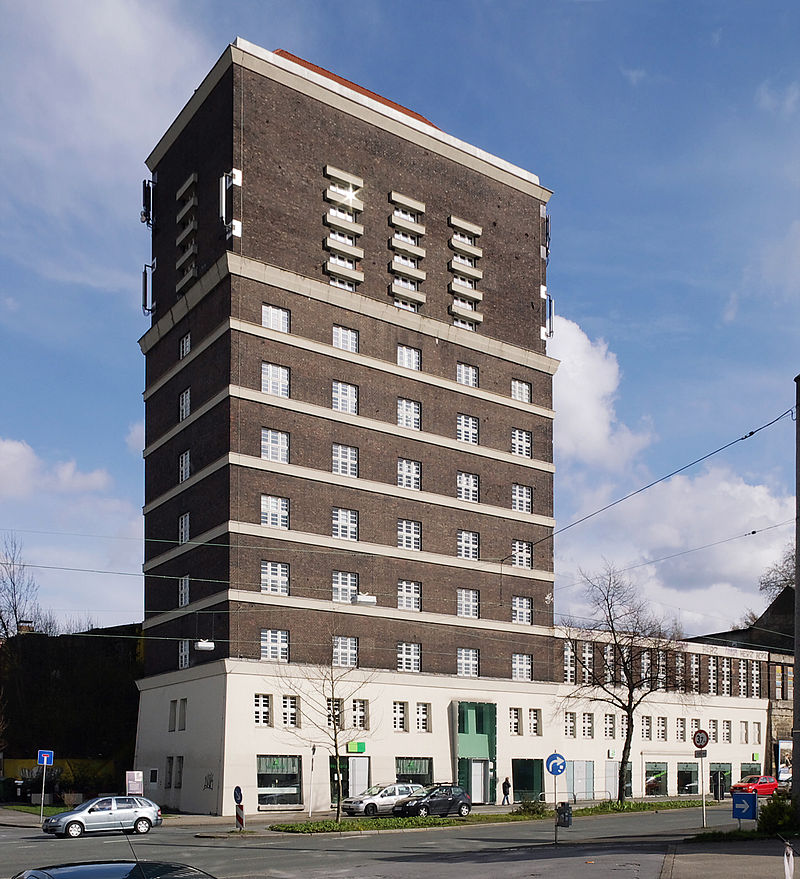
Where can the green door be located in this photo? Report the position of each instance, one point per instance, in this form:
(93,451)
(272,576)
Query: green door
(527,779)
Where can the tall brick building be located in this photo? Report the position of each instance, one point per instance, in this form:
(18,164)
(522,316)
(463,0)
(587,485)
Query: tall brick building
(349,478)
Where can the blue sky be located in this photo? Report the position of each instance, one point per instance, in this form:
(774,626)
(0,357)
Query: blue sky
(669,134)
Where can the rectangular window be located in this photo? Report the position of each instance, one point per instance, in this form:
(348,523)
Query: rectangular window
(520,391)
(344,460)
(467,662)
(404,304)
(409,473)
(610,726)
(588,725)
(344,586)
(789,682)
(570,663)
(275,379)
(712,675)
(410,358)
(647,727)
(727,732)
(521,442)
(289,711)
(344,523)
(756,732)
(522,609)
(275,318)
(408,656)
(515,721)
(468,544)
(468,603)
(608,664)
(694,673)
(183,528)
(409,414)
(467,375)
(168,772)
(178,772)
(661,729)
(399,716)
(409,595)
(344,397)
(467,428)
(183,653)
(521,554)
(182,714)
(185,404)
(713,731)
(275,577)
(184,466)
(744,732)
(464,324)
(409,534)
(755,679)
(570,724)
(521,667)
(274,511)
(467,486)
(587,662)
(360,714)
(521,498)
(262,708)
(742,677)
(173,712)
(779,682)
(274,445)
(726,676)
(275,645)
(423,717)
(534,721)
(345,338)
(183,590)
(345,652)
(334,709)
(184,346)
(680,729)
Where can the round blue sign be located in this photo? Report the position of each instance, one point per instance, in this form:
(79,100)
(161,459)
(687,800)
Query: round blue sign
(555,764)
(237,795)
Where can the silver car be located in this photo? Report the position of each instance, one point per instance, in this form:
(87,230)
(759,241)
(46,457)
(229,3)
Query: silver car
(131,814)
(378,799)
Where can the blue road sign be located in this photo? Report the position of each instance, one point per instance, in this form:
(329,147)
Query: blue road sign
(744,805)
(555,764)
(237,795)
(45,758)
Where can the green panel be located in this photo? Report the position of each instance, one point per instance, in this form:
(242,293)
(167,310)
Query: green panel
(356,747)
(527,779)
(477,730)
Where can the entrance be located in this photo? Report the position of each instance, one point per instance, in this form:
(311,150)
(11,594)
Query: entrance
(526,779)
(355,775)
(479,781)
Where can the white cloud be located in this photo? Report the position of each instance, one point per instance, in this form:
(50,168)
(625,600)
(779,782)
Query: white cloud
(134,439)
(10,304)
(781,101)
(634,75)
(23,473)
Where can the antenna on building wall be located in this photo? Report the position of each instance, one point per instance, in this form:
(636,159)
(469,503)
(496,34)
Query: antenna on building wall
(148,305)
(146,215)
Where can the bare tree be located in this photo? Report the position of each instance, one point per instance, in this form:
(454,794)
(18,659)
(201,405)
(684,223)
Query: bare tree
(626,655)
(18,590)
(780,575)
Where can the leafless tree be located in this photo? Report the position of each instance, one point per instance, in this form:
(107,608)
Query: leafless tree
(18,590)
(625,655)
(780,575)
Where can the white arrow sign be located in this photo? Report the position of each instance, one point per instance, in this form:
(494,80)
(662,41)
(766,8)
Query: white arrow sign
(742,806)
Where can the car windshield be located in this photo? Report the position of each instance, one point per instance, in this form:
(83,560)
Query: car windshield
(426,790)
(750,779)
(375,789)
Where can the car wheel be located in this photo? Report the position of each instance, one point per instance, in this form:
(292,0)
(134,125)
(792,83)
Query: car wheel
(74,829)
(370,810)
(423,811)
(142,825)
(463,810)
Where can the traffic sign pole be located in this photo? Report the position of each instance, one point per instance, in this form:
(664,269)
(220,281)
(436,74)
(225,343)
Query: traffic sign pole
(703,787)
(700,739)
(41,807)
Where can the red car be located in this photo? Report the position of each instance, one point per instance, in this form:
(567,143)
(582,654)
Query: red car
(763,785)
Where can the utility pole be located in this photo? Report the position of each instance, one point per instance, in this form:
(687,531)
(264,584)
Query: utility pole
(796,699)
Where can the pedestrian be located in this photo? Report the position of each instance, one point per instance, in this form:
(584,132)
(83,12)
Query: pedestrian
(506,792)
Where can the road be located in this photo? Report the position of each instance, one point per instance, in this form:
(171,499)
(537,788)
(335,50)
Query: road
(627,845)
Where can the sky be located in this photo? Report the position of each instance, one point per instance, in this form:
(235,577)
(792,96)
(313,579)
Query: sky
(668,132)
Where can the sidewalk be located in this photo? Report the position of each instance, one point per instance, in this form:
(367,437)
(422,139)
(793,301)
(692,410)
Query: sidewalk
(755,859)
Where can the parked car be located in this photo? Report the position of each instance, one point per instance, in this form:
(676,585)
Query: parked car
(763,785)
(436,799)
(130,814)
(378,799)
(115,870)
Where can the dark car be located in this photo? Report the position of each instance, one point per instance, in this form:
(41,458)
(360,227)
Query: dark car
(436,799)
(763,785)
(115,870)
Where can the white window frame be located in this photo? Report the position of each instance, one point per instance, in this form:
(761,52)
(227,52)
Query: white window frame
(610,726)
(274,445)
(345,339)
(184,466)
(400,716)
(467,428)
(521,554)
(468,486)
(468,603)
(344,523)
(534,721)
(344,586)
(274,577)
(468,662)
(275,511)
(409,534)
(183,653)
(409,595)
(185,404)
(522,609)
(275,379)
(521,498)
(468,544)
(262,709)
(345,651)
(409,656)
(344,460)
(521,390)
(275,318)
(409,413)
(344,397)
(360,713)
(409,474)
(290,711)
(570,725)
(587,725)
(467,375)
(423,717)
(183,590)
(515,721)
(275,645)
(408,357)
(184,346)
(183,528)
(521,667)
(521,442)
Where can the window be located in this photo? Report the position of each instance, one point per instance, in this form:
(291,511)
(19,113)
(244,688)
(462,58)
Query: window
(647,727)
(178,772)
(344,523)
(569,724)
(713,730)
(344,397)
(173,712)
(587,662)
(404,304)
(534,721)
(336,259)
(727,733)
(184,466)
(275,379)
(694,673)
(463,237)
(275,318)
(184,346)
(360,714)
(185,404)
(407,237)
(275,577)
(661,670)
(289,712)
(334,707)
(521,442)
(646,664)
(274,445)
(467,375)
(742,677)
(344,460)
(610,726)
(345,652)
(423,717)
(464,324)
(756,732)
(608,664)
(344,586)
(409,595)
(409,414)
(409,473)
(464,281)
(410,358)
(345,338)
(515,721)
(468,545)
(521,667)
(342,284)
(569,663)
(726,676)
(342,237)
(409,534)
(680,672)
(522,609)
(467,428)
(168,772)
(406,283)
(408,656)
(744,732)
(183,653)
(406,214)
(588,725)
(521,498)
(521,554)
(399,716)
(520,391)
(661,729)
(274,511)
(467,486)
(712,675)
(680,729)
(275,645)
(790,682)
(755,679)
(262,708)
(183,590)
(467,662)
(468,602)
(183,528)
(694,725)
